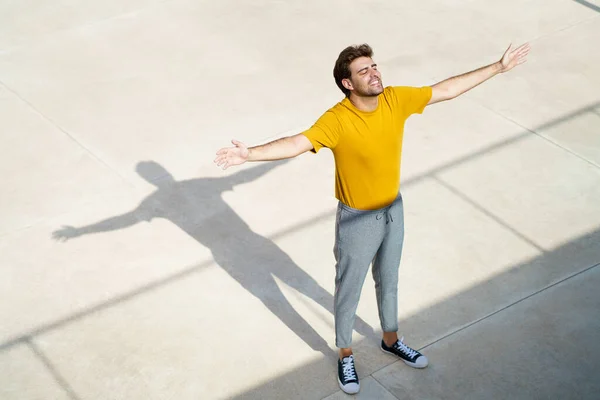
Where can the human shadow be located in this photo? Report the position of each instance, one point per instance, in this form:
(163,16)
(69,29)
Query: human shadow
(197,207)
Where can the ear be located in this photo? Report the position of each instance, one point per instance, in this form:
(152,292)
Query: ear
(347,84)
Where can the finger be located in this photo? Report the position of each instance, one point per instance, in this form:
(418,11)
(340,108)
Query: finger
(225,165)
(222,151)
(525,46)
(523,61)
(237,143)
(524,50)
(509,49)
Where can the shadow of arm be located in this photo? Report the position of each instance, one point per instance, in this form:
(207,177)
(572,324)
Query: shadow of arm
(251,174)
(110,224)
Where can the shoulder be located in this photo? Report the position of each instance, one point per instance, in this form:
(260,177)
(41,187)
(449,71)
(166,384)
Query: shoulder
(398,91)
(407,94)
(333,114)
(408,91)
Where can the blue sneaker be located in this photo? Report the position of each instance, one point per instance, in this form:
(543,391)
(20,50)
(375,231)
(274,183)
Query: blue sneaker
(409,356)
(347,377)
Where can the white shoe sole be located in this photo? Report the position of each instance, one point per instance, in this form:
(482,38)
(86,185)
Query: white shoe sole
(345,390)
(405,362)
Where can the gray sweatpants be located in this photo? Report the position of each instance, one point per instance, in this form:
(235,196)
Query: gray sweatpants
(362,238)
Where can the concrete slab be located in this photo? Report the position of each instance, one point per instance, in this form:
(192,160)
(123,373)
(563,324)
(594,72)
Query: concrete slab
(562,79)
(24,22)
(111,252)
(454,313)
(446,46)
(459,264)
(369,389)
(259,280)
(578,135)
(450,133)
(43,172)
(272,281)
(153,103)
(25,377)
(523,186)
(172,341)
(234,269)
(151,107)
(544,347)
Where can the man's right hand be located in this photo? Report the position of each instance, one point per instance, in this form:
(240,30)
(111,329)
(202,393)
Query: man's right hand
(229,156)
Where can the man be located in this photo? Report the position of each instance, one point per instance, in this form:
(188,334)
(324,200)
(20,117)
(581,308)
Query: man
(364,132)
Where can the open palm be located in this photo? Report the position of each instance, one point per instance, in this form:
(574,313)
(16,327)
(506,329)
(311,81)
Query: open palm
(513,57)
(229,156)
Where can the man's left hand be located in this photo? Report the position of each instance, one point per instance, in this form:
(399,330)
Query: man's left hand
(513,57)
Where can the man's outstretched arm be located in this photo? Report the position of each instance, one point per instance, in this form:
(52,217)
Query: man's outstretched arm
(457,85)
(287,147)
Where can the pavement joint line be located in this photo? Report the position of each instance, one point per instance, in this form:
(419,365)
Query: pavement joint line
(383,386)
(489,214)
(52,370)
(116,301)
(78,143)
(564,28)
(509,305)
(590,109)
(43,220)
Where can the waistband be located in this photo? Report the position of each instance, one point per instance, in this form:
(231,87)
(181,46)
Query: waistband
(376,211)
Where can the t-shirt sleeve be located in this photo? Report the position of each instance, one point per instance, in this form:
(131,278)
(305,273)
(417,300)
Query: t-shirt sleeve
(325,132)
(412,100)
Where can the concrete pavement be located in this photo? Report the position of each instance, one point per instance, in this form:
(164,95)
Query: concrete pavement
(132,268)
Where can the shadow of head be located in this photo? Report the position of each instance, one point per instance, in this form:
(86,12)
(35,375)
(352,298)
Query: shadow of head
(153,173)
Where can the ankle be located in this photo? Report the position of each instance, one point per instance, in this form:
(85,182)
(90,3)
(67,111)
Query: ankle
(389,338)
(345,352)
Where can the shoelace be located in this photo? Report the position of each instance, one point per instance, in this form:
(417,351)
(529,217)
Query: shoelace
(348,369)
(399,345)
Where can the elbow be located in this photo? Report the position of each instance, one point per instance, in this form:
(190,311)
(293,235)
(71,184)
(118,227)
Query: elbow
(450,94)
(442,93)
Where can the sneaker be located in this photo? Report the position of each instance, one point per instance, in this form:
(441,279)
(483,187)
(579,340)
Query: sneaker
(409,356)
(347,377)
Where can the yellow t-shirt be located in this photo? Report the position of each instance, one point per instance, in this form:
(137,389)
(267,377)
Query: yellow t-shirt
(367,146)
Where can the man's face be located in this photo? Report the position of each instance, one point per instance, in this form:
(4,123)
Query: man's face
(365,79)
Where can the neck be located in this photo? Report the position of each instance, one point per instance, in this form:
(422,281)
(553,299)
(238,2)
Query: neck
(364,103)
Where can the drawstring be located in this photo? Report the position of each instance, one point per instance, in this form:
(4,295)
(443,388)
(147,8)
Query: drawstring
(388,216)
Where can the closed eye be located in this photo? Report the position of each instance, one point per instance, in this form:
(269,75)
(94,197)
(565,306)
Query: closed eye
(365,69)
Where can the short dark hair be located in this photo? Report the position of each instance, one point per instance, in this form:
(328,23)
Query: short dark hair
(341,70)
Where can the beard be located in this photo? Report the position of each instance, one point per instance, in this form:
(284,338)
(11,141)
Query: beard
(368,90)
